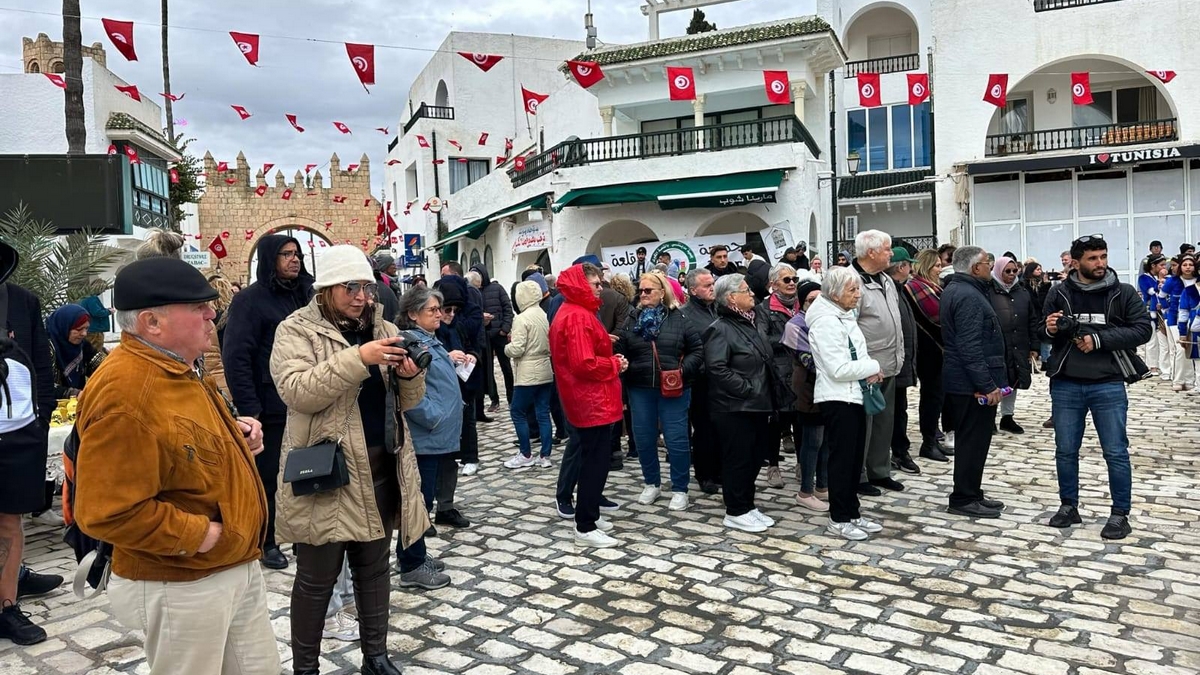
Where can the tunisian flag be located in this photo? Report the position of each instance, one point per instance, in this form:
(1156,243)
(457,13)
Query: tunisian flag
(1081,88)
(681,83)
(218,247)
(586,73)
(130,90)
(532,100)
(868,90)
(1164,75)
(363,59)
(484,61)
(121,35)
(918,88)
(776,82)
(997,89)
(294,122)
(247,44)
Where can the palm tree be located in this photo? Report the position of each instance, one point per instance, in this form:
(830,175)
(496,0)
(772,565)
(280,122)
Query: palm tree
(167,76)
(73,73)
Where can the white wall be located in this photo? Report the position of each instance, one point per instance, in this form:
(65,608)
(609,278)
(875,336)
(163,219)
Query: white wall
(911,218)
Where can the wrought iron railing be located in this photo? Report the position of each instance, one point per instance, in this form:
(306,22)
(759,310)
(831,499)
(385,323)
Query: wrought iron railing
(1047,5)
(579,152)
(431,112)
(1077,138)
(911,244)
(886,64)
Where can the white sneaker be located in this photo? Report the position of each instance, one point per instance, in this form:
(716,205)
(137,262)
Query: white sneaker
(649,494)
(679,501)
(470,469)
(604,525)
(544,463)
(745,522)
(341,626)
(594,539)
(762,517)
(518,461)
(846,531)
(867,525)
(948,441)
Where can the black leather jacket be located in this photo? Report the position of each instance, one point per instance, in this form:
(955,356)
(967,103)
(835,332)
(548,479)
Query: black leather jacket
(738,362)
(677,340)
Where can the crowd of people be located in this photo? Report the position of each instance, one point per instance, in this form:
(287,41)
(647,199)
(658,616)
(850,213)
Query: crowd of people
(330,411)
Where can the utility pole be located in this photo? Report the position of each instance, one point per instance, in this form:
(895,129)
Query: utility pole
(167,76)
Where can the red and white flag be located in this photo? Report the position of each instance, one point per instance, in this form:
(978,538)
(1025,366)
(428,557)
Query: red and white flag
(483,138)
(868,90)
(249,234)
(1163,75)
(328,224)
(222,167)
(918,88)
(438,161)
(464,160)
(322,242)
(339,199)
(247,44)
(218,248)
(173,174)
(455,144)
(341,127)
(260,190)
(121,35)
(351,168)
(58,80)
(997,89)
(131,153)
(500,160)
(422,142)
(287,194)
(393,162)
(309,167)
(586,73)
(484,61)
(681,83)
(532,100)
(1081,88)
(199,236)
(362,57)
(292,120)
(112,149)
(778,86)
(268,167)
(508,144)
(519,163)
(242,112)
(230,181)
(130,90)
(367,202)
(172,97)
(224,234)
(383,130)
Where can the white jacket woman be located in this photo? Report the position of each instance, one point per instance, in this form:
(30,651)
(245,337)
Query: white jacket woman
(529,341)
(831,330)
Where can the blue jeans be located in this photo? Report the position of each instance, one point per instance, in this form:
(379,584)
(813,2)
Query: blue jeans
(412,557)
(537,397)
(650,411)
(813,453)
(1109,405)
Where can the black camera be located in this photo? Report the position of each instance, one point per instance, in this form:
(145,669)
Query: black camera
(417,351)
(1068,326)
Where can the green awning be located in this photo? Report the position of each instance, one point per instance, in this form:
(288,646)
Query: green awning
(476,228)
(704,192)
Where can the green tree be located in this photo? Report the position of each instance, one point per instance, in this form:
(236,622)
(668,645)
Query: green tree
(699,25)
(58,270)
(187,190)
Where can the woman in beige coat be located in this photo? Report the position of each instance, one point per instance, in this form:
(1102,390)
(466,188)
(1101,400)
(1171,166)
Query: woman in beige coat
(337,369)
(529,349)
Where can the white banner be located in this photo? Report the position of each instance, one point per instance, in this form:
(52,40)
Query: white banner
(198,259)
(531,236)
(777,238)
(687,254)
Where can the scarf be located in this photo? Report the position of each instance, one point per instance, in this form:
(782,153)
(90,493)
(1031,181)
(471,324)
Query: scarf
(776,303)
(69,357)
(649,322)
(928,298)
(998,273)
(747,315)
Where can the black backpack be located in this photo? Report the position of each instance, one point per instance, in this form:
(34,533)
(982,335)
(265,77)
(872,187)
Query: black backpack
(95,571)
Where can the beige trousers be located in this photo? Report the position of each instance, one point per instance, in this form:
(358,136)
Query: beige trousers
(218,625)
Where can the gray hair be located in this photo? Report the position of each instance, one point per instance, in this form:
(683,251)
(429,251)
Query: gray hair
(727,285)
(871,240)
(660,267)
(127,319)
(780,269)
(838,280)
(413,301)
(966,257)
(693,277)
(475,278)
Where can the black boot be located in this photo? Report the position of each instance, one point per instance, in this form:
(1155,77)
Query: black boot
(16,626)
(378,665)
(1007,423)
(933,450)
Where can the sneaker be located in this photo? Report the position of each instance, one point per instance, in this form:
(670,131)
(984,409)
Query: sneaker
(774,477)
(1117,527)
(425,577)
(16,626)
(452,518)
(544,463)
(1068,515)
(1007,423)
(470,468)
(608,505)
(30,584)
(846,531)
(710,487)
(867,525)
(649,494)
(811,504)
(517,461)
(745,522)
(762,518)
(904,462)
(565,510)
(594,539)
(437,565)
(679,501)
(822,494)
(604,525)
(888,484)
(948,441)
(342,627)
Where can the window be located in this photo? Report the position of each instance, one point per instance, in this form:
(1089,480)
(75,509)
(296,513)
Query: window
(1098,112)
(877,139)
(895,137)
(1015,118)
(463,174)
(902,156)
(410,182)
(474,258)
(890,45)
(1126,105)
(488,260)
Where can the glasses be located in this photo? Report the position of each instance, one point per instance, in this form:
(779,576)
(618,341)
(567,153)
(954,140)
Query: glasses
(740,290)
(789,280)
(291,254)
(355,287)
(646,291)
(449,310)
(433,310)
(596,284)
(1088,237)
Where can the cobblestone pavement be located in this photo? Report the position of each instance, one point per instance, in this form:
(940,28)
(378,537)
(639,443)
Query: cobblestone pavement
(932,594)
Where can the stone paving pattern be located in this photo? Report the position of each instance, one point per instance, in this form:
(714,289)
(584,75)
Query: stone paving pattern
(932,594)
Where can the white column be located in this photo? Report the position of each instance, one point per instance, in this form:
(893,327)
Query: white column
(606,116)
(798,93)
(698,118)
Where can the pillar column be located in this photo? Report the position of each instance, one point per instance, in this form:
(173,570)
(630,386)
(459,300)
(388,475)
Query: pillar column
(698,118)
(799,91)
(606,117)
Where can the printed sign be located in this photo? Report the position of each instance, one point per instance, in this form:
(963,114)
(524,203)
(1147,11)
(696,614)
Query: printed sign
(198,259)
(687,254)
(531,236)
(777,238)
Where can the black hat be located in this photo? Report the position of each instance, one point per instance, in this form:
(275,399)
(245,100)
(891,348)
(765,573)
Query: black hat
(641,250)
(1156,243)
(453,290)
(155,282)
(806,287)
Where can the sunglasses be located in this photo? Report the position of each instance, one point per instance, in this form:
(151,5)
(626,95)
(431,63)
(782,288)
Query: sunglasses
(789,280)
(355,287)
(646,291)
(1088,237)
(449,310)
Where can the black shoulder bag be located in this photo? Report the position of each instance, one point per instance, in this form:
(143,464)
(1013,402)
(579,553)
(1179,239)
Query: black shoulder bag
(320,467)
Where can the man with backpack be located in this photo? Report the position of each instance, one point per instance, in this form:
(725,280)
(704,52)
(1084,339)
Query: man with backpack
(165,473)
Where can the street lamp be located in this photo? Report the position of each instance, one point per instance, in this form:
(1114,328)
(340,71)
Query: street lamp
(852,162)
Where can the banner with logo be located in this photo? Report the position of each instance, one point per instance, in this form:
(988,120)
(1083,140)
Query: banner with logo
(531,236)
(413,243)
(687,254)
(777,238)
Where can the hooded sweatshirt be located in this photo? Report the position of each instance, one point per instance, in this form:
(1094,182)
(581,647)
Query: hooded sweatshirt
(587,373)
(529,346)
(496,303)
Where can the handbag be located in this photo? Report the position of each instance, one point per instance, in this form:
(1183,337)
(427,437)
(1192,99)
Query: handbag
(670,382)
(318,468)
(873,400)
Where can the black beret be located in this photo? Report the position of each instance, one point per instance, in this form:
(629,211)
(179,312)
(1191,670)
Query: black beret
(154,282)
(806,287)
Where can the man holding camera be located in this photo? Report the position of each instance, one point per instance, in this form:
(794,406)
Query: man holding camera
(1097,323)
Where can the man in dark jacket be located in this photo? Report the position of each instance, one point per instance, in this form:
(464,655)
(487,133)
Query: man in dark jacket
(974,371)
(758,273)
(614,311)
(701,311)
(1097,323)
(380,265)
(900,271)
(719,263)
(283,286)
(498,306)
(801,262)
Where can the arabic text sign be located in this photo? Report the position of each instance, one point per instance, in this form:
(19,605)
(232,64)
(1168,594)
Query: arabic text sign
(686,253)
(531,236)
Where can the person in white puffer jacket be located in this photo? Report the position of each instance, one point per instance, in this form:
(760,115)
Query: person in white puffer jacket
(840,353)
(529,348)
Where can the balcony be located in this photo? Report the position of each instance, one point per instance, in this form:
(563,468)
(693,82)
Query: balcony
(886,64)
(430,112)
(1047,5)
(753,133)
(1078,138)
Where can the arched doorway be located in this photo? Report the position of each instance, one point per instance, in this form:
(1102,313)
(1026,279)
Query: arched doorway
(442,97)
(311,246)
(813,240)
(619,233)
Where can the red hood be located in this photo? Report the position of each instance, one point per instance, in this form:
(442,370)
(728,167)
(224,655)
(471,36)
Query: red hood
(574,287)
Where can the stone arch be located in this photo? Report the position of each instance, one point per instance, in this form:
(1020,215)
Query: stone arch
(442,97)
(34,67)
(884,4)
(57,67)
(619,233)
(314,229)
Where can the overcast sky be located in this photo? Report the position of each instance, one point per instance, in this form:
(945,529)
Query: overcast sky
(314,80)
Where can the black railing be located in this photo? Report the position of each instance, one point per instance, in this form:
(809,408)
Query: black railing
(911,244)
(753,133)
(1047,5)
(886,64)
(430,112)
(1077,138)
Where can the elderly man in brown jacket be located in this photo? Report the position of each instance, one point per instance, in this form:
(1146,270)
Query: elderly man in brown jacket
(166,475)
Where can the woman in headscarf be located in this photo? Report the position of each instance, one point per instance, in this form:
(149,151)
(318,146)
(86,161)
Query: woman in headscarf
(75,359)
(1019,321)
(923,292)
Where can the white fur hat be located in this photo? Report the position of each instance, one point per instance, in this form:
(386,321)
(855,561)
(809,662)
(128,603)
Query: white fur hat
(341,264)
